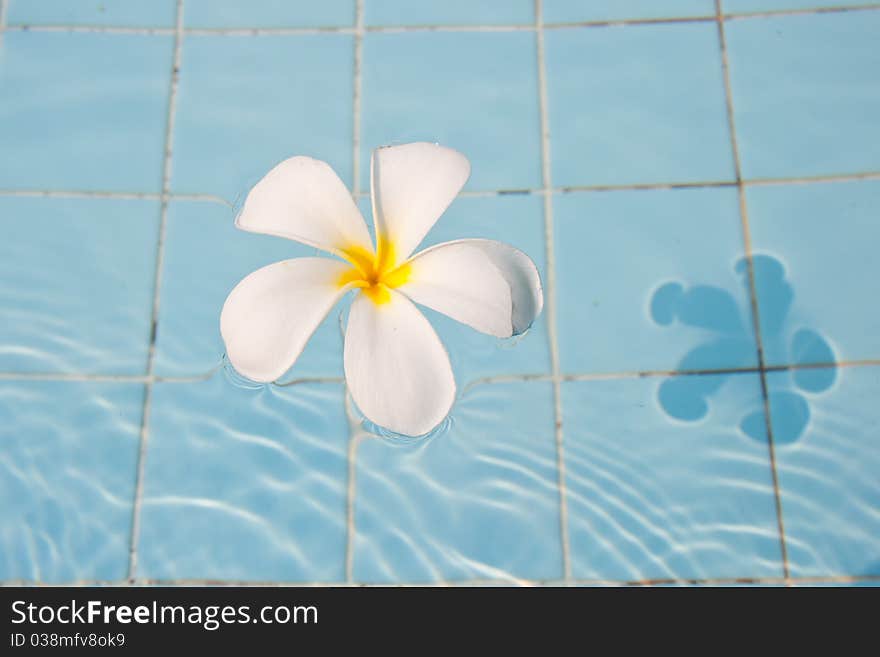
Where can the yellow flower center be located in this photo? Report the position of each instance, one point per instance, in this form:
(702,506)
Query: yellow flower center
(375,274)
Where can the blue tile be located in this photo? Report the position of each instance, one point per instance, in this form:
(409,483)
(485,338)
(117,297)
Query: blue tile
(450,12)
(870,583)
(247,102)
(570,11)
(805,93)
(77,284)
(128,13)
(496,125)
(205,257)
(824,238)
(650,497)
(515,220)
(478,500)
(651,280)
(637,104)
(723,584)
(245,484)
(83,111)
(269,13)
(68,456)
(830,478)
(735,6)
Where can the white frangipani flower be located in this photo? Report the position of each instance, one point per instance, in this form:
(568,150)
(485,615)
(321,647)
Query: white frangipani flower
(396,368)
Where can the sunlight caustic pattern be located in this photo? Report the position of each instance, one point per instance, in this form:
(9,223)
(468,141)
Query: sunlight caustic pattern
(199,482)
(396,368)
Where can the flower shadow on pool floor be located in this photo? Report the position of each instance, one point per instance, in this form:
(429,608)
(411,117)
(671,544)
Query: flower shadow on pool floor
(715,310)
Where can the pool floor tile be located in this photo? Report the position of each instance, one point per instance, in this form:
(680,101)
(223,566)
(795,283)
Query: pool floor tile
(653,497)
(205,258)
(816,270)
(245,103)
(432,87)
(77,284)
(651,280)
(448,12)
(860,583)
(735,6)
(268,13)
(637,104)
(84,111)
(572,11)
(244,484)
(805,93)
(124,13)
(828,475)
(478,500)
(68,461)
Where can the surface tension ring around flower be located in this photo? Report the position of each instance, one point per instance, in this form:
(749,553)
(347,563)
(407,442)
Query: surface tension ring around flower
(396,368)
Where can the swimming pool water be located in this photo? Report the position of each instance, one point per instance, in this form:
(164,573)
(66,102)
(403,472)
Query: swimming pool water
(698,183)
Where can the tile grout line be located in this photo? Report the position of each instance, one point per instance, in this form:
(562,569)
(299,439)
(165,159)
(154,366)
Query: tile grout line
(645,374)
(568,189)
(124,196)
(268,31)
(147,581)
(550,292)
(105,378)
(354,441)
(397,29)
(353,435)
(502,378)
(157,284)
(810,180)
(91,29)
(408,29)
(802,11)
(356,99)
(753,290)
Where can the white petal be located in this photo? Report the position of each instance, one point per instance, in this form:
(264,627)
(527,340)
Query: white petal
(396,367)
(271,314)
(412,185)
(462,282)
(303,199)
(515,267)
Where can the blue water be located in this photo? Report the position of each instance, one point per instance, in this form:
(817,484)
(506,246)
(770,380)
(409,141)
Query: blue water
(646,430)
